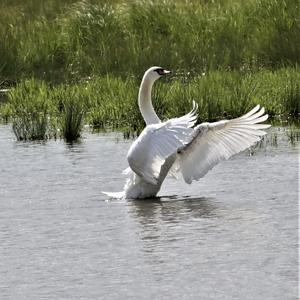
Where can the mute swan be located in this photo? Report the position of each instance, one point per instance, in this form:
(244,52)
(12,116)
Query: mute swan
(177,146)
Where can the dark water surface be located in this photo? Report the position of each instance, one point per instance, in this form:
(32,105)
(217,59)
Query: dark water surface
(233,235)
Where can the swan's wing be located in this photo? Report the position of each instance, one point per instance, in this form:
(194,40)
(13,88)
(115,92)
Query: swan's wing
(214,142)
(189,119)
(157,142)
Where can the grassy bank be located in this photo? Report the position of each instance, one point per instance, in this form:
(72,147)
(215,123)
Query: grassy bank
(64,41)
(76,62)
(40,110)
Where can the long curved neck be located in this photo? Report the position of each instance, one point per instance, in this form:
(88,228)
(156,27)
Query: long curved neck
(145,103)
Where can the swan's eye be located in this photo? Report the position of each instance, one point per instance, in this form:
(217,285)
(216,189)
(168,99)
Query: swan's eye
(160,71)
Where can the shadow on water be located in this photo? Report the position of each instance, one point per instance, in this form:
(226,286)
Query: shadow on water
(172,209)
(75,146)
(166,222)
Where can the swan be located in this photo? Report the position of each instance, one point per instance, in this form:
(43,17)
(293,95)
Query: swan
(177,146)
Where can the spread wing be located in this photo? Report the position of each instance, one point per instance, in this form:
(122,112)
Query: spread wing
(157,143)
(214,142)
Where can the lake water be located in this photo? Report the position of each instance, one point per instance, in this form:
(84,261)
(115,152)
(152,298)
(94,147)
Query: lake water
(232,235)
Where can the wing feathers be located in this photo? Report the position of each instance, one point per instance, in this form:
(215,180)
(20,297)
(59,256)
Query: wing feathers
(199,149)
(157,143)
(251,112)
(214,142)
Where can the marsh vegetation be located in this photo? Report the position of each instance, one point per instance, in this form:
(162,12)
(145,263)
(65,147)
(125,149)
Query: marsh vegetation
(80,62)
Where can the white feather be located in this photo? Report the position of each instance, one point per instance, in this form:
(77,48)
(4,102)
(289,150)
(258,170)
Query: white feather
(177,146)
(156,143)
(214,142)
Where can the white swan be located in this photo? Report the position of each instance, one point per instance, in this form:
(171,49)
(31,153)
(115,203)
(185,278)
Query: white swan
(176,146)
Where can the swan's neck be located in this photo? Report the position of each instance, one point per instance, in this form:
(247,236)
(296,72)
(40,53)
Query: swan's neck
(145,103)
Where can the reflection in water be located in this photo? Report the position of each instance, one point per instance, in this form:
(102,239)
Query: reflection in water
(160,217)
(238,242)
(165,223)
(75,147)
(171,209)
(281,135)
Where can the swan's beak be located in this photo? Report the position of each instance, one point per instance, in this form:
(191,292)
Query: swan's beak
(166,72)
(161,71)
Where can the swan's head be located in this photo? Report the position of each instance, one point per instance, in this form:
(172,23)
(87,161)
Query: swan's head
(154,73)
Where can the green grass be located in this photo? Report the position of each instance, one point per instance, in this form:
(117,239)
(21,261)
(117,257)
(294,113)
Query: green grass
(70,110)
(68,40)
(30,108)
(78,62)
(39,110)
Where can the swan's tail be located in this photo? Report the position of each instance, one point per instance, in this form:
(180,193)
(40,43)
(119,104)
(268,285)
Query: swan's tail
(116,195)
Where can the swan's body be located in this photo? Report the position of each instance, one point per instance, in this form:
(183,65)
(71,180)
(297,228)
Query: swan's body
(177,146)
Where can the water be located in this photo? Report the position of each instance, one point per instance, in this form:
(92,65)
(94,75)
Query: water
(233,235)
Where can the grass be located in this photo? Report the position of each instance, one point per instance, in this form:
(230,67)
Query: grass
(39,110)
(69,111)
(78,62)
(291,100)
(64,41)
(30,108)
(293,134)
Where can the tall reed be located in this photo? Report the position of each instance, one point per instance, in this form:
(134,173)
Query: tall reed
(71,110)
(39,110)
(30,108)
(68,40)
(291,100)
